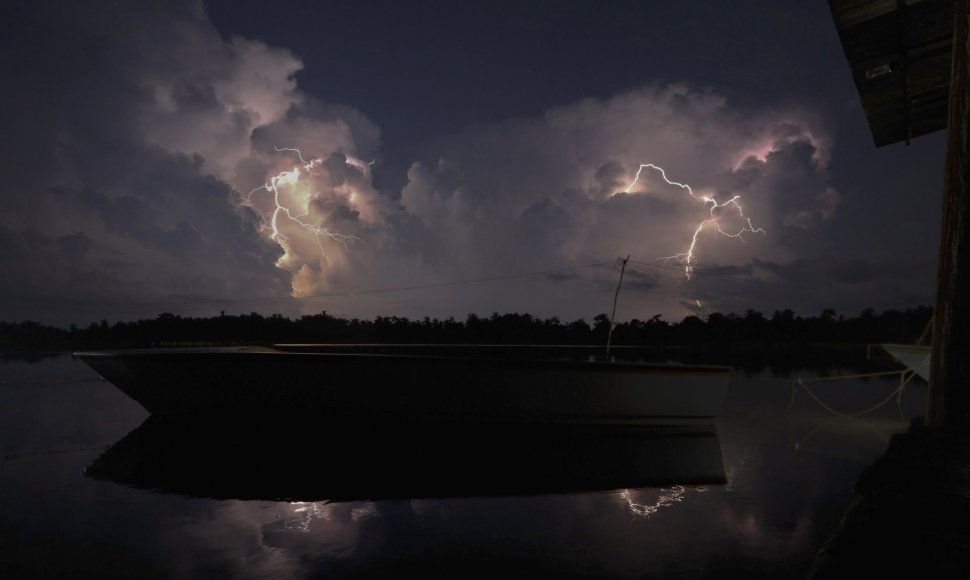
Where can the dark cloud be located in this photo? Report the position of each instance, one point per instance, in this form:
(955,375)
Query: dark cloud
(847,285)
(641,281)
(694,308)
(101,213)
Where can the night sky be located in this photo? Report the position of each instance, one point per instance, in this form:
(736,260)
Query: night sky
(447,142)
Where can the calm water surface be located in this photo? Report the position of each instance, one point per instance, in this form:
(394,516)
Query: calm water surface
(789,466)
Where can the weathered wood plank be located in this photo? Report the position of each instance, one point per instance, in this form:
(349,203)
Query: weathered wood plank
(948,407)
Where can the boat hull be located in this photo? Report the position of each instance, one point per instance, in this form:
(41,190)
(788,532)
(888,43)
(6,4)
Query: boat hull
(343,385)
(915,357)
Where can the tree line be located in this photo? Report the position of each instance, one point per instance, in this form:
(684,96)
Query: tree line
(751,328)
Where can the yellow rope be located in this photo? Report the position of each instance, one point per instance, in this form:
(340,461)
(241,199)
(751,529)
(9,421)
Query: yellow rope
(897,393)
(840,377)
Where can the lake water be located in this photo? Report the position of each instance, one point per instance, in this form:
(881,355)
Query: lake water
(788,467)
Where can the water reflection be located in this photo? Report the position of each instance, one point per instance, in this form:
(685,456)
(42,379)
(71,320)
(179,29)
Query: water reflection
(905,377)
(303,513)
(856,424)
(295,460)
(779,504)
(665,496)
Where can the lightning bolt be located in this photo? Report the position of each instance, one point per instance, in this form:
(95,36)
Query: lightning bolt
(291,179)
(687,257)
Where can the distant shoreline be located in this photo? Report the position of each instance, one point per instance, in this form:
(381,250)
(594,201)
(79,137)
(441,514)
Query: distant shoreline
(752,328)
(749,341)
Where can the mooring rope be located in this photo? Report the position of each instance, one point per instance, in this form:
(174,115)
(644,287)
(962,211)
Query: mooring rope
(798,442)
(24,454)
(905,376)
(48,381)
(858,376)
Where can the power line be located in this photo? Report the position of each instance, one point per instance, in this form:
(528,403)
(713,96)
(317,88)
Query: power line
(711,270)
(401,288)
(700,269)
(665,267)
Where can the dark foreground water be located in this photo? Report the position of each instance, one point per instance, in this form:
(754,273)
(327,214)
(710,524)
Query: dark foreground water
(88,488)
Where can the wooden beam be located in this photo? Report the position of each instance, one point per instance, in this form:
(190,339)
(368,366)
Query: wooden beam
(948,406)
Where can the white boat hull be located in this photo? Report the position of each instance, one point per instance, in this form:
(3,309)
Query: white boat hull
(915,357)
(342,385)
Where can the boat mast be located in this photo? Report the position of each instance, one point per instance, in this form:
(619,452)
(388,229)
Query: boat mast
(609,336)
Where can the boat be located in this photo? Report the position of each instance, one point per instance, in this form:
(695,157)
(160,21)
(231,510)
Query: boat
(477,383)
(915,357)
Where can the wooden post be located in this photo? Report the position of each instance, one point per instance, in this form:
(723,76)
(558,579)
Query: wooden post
(948,407)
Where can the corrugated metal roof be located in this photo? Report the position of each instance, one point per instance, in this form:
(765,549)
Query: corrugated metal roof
(899,53)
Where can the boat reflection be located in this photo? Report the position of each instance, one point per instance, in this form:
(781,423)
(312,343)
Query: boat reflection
(298,460)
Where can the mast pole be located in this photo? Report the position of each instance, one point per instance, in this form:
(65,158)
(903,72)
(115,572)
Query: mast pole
(616,296)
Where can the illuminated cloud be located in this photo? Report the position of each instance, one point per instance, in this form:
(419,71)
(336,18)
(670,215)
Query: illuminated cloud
(146,166)
(153,129)
(557,189)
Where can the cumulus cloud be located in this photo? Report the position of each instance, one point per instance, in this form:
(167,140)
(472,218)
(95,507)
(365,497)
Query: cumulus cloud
(140,128)
(564,187)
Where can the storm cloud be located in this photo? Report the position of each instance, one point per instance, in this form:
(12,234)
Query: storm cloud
(142,148)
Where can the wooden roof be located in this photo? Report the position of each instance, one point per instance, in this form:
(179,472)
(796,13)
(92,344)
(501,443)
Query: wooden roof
(899,53)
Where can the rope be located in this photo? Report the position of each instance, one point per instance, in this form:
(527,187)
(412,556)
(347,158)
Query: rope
(897,393)
(52,452)
(47,382)
(400,288)
(798,442)
(840,377)
(924,337)
(905,377)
